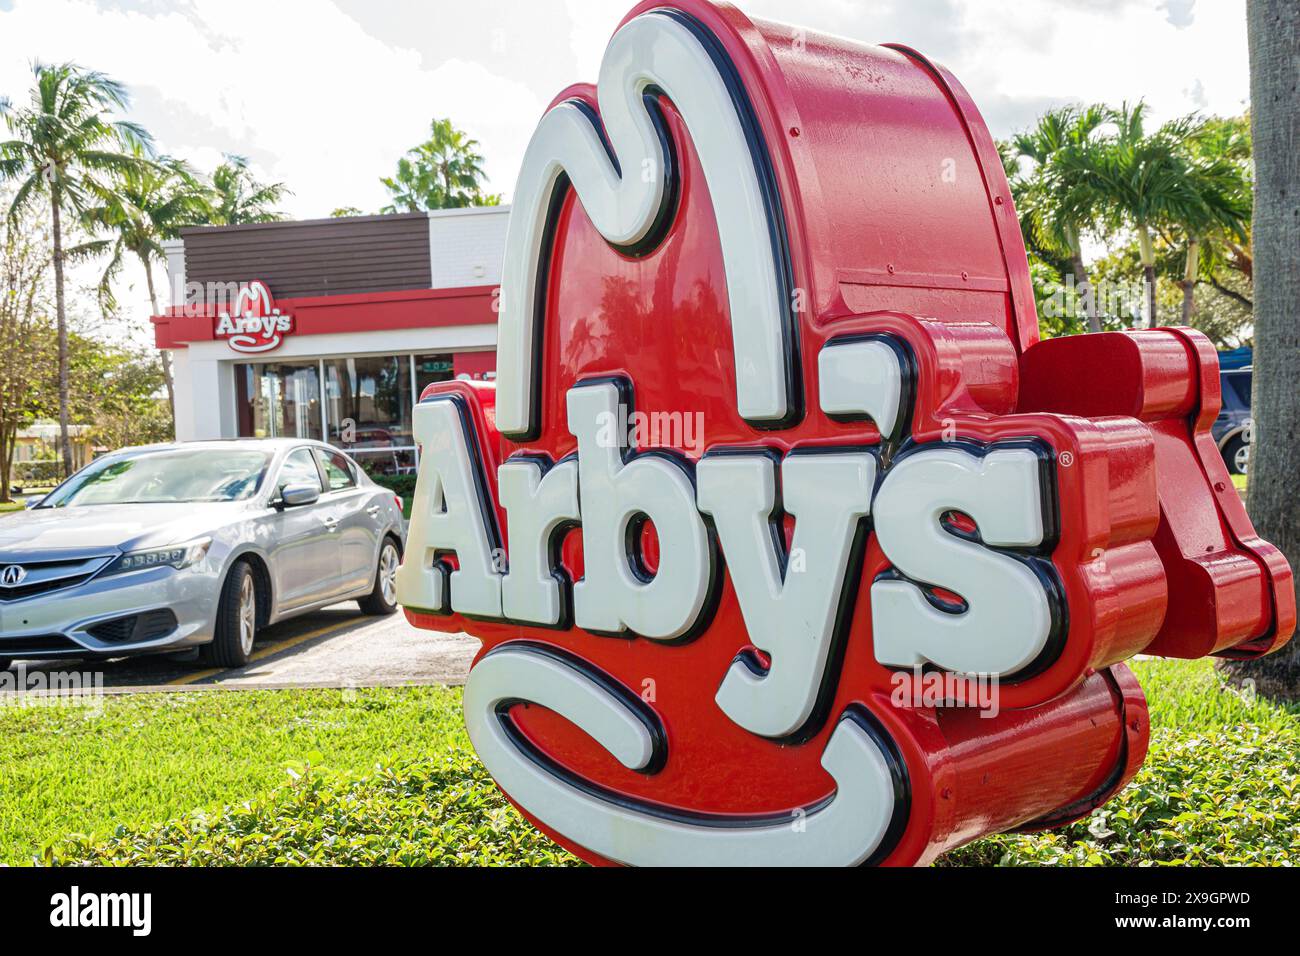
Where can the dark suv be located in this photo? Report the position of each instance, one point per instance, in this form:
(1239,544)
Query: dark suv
(1232,428)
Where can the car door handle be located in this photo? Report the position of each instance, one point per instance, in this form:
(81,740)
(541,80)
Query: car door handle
(373,510)
(331,523)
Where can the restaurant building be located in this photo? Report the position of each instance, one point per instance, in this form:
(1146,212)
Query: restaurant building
(330,328)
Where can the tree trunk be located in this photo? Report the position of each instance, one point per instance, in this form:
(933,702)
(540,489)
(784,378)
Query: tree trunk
(166,355)
(1149,281)
(1148,255)
(7,448)
(1085,290)
(61,316)
(1190,271)
(1273,27)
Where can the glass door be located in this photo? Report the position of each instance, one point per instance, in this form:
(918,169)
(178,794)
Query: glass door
(278,400)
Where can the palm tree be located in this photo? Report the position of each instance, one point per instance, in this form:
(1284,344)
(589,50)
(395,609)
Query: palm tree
(1221,152)
(1222,210)
(444,172)
(1057,201)
(239,198)
(1150,183)
(146,205)
(64,149)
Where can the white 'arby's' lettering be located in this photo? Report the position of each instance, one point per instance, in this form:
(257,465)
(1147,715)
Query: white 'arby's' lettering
(790,613)
(538,504)
(263,326)
(861,379)
(449,515)
(615,595)
(1008,618)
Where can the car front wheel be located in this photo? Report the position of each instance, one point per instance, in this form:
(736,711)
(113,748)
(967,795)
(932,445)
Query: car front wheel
(383,599)
(236,630)
(1236,455)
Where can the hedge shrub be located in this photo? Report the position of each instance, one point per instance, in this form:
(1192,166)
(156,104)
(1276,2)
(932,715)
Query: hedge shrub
(403,485)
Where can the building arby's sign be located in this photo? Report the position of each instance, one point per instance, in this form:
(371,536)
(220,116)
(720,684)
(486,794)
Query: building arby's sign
(253,323)
(712,651)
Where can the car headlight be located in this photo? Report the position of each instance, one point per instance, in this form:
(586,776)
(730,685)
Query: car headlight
(176,556)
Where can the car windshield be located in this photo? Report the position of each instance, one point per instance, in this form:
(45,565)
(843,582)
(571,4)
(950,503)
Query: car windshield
(156,477)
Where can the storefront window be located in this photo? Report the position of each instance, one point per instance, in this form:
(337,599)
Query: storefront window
(278,400)
(430,369)
(369,411)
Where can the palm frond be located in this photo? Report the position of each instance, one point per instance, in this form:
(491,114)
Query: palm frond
(32,187)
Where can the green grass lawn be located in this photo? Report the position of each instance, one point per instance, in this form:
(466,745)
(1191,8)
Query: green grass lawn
(388,776)
(137,761)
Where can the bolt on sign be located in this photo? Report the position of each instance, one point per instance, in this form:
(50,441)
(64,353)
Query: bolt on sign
(881,606)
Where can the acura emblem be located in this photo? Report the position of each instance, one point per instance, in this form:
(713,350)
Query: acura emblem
(13,575)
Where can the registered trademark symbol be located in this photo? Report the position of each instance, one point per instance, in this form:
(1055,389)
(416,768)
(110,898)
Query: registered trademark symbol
(1067,458)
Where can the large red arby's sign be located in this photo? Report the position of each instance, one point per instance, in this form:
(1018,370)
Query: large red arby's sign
(773,436)
(254,323)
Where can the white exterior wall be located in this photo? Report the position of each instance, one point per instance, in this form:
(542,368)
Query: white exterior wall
(174,250)
(467,245)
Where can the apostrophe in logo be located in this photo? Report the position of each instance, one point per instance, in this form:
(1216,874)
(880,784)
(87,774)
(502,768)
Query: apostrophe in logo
(13,575)
(254,324)
(693,647)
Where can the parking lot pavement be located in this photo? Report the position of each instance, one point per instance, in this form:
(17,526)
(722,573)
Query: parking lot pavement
(334,647)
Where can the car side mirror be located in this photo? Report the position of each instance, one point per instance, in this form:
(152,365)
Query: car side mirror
(294,496)
(33,502)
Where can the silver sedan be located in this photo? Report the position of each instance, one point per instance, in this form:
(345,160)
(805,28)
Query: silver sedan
(195,544)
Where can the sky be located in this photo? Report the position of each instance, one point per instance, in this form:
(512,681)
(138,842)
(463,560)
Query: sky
(325,95)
